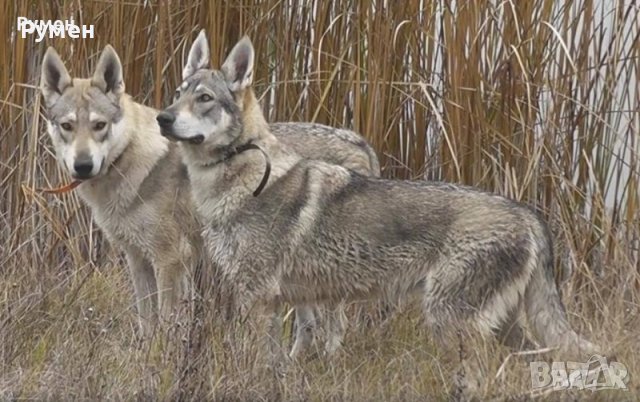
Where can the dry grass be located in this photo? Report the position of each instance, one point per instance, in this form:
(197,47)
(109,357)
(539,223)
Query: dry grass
(533,99)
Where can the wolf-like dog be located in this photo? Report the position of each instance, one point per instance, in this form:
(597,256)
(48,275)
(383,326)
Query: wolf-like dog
(321,233)
(136,185)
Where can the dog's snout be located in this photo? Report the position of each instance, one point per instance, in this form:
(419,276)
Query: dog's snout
(83,168)
(165,119)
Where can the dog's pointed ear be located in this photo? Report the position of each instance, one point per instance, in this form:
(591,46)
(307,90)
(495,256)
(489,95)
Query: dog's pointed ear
(238,67)
(198,56)
(108,74)
(55,77)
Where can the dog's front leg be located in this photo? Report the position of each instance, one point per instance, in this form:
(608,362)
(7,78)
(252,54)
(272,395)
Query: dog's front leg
(172,266)
(305,324)
(336,327)
(274,334)
(261,317)
(144,285)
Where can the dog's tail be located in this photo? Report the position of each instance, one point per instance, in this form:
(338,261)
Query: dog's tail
(545,312)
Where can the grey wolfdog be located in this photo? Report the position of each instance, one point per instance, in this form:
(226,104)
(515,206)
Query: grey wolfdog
(136,185)
(321,233)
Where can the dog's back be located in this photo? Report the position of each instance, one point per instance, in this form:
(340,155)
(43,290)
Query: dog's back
(333,145)
(354,235)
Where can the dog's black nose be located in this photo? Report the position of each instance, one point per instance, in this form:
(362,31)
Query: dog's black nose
(165,119)
(83,168)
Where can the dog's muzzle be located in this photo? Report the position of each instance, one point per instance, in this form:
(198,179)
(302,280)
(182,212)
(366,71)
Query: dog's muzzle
(166,120)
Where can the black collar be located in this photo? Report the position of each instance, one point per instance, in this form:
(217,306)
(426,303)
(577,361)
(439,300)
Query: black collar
(233,151)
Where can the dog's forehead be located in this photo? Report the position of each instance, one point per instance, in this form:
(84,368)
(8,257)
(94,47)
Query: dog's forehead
(83,100)
(212,80)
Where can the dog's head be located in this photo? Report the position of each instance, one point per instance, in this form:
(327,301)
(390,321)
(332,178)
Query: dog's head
(83,114)
(207,107)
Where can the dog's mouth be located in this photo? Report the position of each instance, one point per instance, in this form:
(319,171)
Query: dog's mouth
(196,139)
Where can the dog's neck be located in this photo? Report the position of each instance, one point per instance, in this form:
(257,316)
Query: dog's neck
(222,185)
(233,151)
(253,120)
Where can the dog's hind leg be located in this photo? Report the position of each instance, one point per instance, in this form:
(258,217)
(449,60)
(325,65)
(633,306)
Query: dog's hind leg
(452,325)
(144,285)
(511,333)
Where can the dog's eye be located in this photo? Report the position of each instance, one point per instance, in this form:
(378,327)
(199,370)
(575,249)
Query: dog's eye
(177,95)
(66,126)
(99,125)
(205,98)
